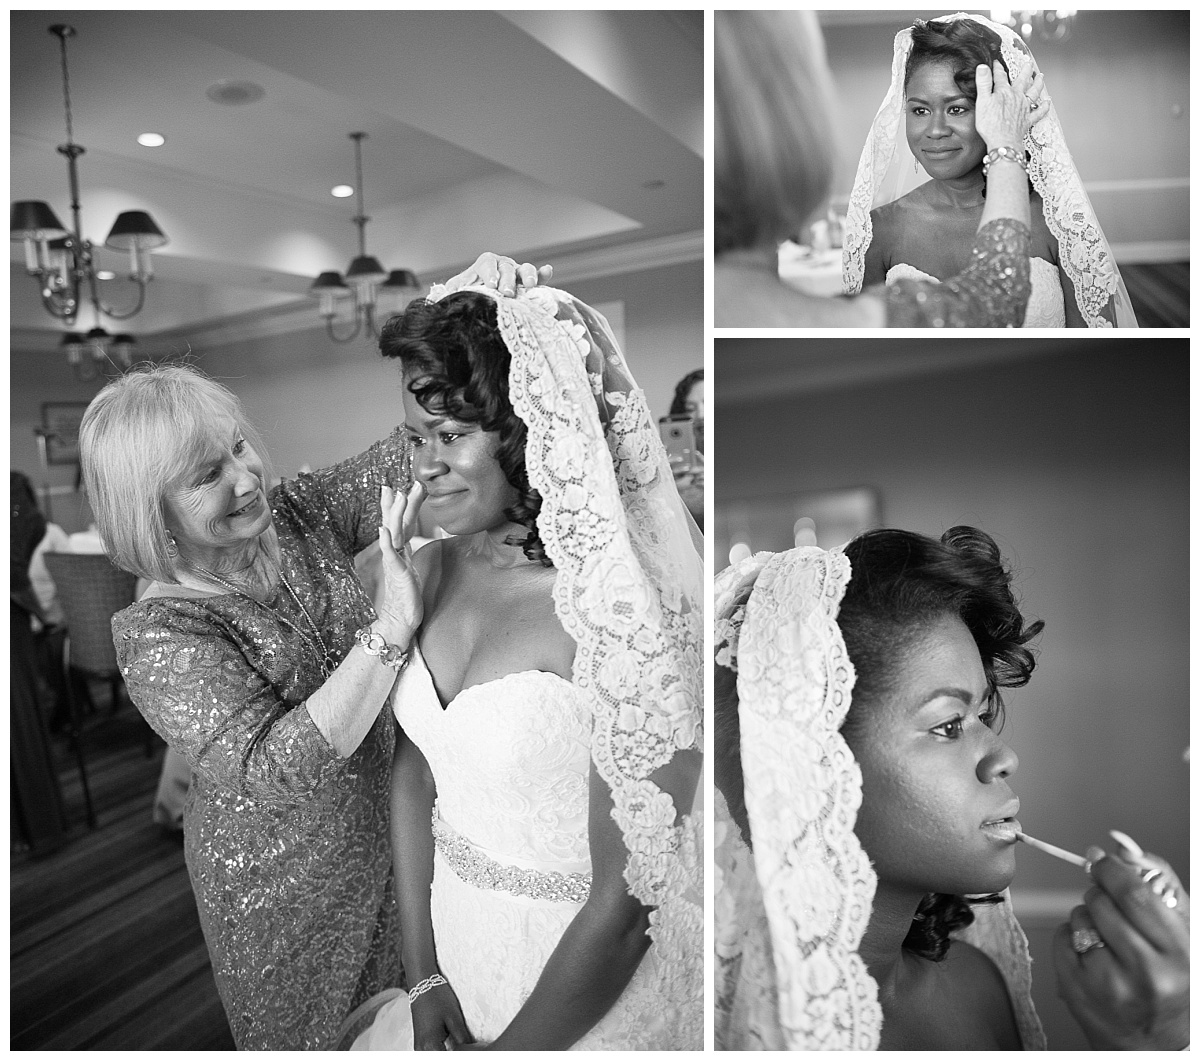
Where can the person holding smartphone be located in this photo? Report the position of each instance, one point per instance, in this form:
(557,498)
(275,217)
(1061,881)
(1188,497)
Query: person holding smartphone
(682,431)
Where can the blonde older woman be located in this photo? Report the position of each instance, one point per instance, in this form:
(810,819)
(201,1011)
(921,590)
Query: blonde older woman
(258,656)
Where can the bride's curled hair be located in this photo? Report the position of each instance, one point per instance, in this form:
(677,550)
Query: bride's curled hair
(457,364)
(900,584)
(961,43)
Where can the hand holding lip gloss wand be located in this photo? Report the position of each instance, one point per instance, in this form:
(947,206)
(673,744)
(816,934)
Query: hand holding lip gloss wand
(1123,963)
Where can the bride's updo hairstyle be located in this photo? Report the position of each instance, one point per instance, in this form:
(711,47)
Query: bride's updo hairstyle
(454,353)
(900,585)
(963,44)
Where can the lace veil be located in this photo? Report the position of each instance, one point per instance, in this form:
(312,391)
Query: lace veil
(791,913)
(627,589)
(888,171)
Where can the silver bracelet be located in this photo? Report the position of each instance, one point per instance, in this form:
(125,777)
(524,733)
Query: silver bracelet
(428,984)
(373,644)
(1010,153)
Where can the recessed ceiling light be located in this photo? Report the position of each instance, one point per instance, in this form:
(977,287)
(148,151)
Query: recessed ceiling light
(234,93)
(341,191)
(152,139)
(105,274)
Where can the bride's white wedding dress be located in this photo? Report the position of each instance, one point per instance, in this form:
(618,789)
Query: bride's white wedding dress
(510,758)
(1046,308)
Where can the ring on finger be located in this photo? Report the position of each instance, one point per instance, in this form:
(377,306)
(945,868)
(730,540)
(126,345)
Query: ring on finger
(1165,893)
(1085,939)
(1153,876)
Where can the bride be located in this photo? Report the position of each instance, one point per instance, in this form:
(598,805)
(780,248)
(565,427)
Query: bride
(550,712)
(898,228)
(866,837)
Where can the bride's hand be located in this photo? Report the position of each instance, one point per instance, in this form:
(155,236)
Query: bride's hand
(502,273)
(402,606)
(438,1022)
(1131,993)
(1005,112)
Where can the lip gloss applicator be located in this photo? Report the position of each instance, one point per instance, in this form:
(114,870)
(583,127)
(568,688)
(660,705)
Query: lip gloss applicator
(1057,852)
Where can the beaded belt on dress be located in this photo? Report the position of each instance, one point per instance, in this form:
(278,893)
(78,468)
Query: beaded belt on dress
(476,868)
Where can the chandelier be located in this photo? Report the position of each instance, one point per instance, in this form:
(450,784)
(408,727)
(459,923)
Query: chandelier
(367,283)
(1048,25)
(64,263)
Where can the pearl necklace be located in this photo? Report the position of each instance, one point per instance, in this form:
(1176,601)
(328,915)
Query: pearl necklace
(328,663)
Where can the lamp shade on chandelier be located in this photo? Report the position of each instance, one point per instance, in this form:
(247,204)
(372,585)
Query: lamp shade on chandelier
(368,285)
(64,263)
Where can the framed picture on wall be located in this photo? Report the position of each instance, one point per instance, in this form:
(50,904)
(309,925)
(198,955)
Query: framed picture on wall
(60,429)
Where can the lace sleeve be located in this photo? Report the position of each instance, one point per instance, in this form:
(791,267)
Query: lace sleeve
(991,292)
(346,495)
(193,684)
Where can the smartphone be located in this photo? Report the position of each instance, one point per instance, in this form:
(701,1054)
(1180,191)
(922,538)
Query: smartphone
(678,435)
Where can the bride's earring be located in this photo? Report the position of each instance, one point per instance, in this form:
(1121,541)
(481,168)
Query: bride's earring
(172,546)
(916,166)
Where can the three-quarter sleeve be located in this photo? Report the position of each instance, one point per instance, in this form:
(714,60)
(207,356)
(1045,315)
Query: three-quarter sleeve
(345,496)
(193,684)
(992,292)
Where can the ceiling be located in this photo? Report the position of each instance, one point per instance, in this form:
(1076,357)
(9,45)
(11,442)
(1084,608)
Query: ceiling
(881,17)
(753,371)
(569,137)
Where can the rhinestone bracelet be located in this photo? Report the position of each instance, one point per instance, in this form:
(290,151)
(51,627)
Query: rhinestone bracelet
(373,644)
(428,984)
(997,153)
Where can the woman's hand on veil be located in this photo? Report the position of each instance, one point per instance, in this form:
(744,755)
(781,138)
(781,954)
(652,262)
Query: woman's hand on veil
(1132,993)
(502,273)
(402,607)
(1005,112)
(438,1022)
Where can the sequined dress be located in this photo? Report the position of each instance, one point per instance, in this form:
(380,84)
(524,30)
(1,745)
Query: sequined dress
(287,845)
(1046,308)
(991,292)
(510,759)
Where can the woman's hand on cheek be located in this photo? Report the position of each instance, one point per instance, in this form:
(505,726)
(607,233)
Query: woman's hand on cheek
(402,607)
(501,273)
(1133,992)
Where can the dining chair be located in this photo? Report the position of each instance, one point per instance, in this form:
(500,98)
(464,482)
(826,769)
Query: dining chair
(91,590)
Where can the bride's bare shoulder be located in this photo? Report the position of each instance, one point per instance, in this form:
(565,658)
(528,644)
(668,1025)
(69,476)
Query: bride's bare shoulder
(890,221)
(979,988)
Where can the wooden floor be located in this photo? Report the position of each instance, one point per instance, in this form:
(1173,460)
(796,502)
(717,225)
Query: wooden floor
(1160,293)
(106,950)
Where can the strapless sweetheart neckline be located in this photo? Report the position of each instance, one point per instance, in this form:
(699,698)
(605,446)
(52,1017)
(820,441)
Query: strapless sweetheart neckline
(532,672)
